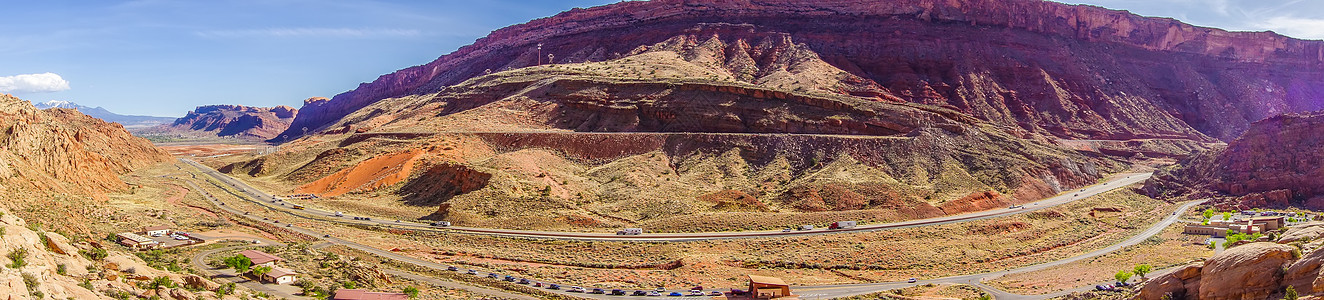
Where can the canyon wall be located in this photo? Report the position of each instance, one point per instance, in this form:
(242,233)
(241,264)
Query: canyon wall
(1068,70)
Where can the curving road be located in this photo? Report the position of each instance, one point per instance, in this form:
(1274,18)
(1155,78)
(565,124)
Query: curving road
(199,260)
(269,201)
(833,291)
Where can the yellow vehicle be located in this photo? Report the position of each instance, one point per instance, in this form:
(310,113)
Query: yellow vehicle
(296,206)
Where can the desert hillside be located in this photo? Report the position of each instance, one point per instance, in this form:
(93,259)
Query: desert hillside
(660,140)
(1068,71)
(64,151)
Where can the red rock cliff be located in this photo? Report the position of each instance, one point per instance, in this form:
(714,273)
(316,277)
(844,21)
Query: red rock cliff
(1278,162)
(236,121)
(1070,70)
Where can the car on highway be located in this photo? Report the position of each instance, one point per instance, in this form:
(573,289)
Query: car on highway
(523,281)
(696,293)
(617,292)
(493,275)
(660,289)
(639,293)
(452,269)
(675,294)
(715,293)
(440,224)
(787,230)
(509,278)
(537,284)
(472,272)
(326,235)
(654,294)
(575,289)
(912,280)
(597,291)
(554,286)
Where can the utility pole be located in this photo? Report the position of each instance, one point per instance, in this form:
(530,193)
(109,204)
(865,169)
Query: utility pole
(539,54)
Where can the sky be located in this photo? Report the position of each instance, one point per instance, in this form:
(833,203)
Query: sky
(163,58)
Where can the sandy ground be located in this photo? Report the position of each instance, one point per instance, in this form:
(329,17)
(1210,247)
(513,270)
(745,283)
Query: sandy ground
(211,150)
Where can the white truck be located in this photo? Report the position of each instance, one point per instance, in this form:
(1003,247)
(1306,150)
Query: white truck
(630,231)
(842,225)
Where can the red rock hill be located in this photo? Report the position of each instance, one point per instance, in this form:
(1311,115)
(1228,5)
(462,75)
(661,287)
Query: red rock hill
(1278,162)
(1068,70)
(235,121)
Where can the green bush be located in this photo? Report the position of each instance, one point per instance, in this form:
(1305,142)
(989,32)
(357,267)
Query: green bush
(16,258)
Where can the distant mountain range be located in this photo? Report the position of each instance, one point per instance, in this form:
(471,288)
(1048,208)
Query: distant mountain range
(129,122)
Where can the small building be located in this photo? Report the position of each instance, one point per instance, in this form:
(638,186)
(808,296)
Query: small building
(1269,223)
(357,294)
(1210,230)
(260,258)
(764,287)
(137,242)
(156,230)
(280,275)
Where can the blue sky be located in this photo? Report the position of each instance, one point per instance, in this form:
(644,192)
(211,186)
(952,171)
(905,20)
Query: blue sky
(157,57)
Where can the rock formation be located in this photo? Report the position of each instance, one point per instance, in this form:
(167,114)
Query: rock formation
(232,121)
(1257,270)
(62,150)
(1072,71)
(1278,162)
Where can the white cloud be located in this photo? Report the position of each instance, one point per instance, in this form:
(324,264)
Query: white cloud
(1295,27)
(310,32)
(33,83)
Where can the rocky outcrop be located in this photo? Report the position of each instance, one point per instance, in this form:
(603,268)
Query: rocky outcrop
(232,121)
(1073,71)
(1278,162)
(62,150)
(1250,271)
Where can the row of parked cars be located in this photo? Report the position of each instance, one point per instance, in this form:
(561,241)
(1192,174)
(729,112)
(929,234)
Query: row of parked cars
(696,291)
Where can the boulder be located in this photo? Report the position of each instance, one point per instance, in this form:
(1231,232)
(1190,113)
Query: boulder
(59,244)
(1306,232)
(182,294)
(197,282)
(1302,273)
(1174,283)
(1250,271)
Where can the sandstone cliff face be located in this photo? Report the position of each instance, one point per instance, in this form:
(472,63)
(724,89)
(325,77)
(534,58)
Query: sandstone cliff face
(62,150)
(233,121)
(1258,270)
(1278,162)
(1068,70)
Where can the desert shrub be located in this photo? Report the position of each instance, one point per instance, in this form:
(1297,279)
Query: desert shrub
(96,254)
(17,258)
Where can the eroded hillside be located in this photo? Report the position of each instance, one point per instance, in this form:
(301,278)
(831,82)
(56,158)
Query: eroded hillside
(659,139)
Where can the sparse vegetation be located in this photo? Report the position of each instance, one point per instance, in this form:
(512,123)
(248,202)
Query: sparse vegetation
(17,258)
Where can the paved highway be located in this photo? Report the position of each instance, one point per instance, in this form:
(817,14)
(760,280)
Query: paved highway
(810,292)
(833,291)
(272,202)
(199,260)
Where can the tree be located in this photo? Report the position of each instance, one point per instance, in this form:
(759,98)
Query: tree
(1122,276)
(261,270)
(1208,213)
(1290,294)
(411,291)
(1143,269)
(1227,216)
(239,263)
